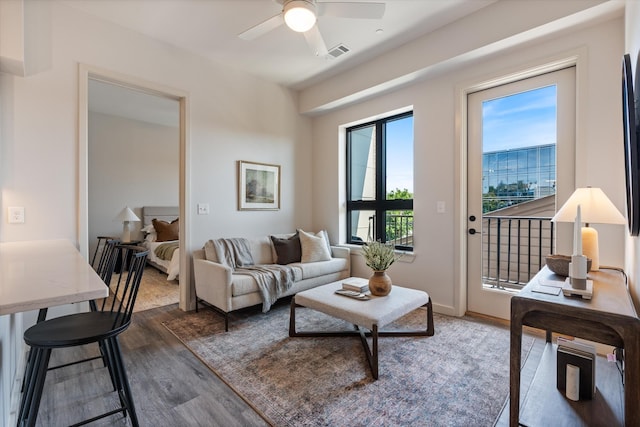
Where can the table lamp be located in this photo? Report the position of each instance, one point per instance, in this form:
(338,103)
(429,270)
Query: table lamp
(595,208)
(126,216)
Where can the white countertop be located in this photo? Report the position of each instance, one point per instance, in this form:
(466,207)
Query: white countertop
(45,273)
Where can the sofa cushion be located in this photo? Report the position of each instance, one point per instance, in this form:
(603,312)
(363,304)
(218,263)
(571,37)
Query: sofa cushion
(314,247)
(288,250)
(262,250)
(315,269)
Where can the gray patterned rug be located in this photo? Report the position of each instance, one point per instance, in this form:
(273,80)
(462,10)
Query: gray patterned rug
(459,376)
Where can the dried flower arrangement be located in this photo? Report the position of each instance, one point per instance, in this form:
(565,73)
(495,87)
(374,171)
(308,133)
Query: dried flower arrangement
(379,256)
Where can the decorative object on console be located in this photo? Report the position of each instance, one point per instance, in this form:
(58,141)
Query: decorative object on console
(578,264)
(258,186)
(379,256)
(559,264)
(126,216)
(595,208)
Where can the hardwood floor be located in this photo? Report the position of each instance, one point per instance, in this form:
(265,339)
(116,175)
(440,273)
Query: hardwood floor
(171,387)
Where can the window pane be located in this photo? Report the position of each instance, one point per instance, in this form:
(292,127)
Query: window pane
(399,228)
(363,163)
(362,226)
(520,131)
(399,157)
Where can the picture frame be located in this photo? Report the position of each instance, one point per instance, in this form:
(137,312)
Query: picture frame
(258,186)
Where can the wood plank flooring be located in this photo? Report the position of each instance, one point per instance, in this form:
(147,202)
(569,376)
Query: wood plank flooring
(171,386)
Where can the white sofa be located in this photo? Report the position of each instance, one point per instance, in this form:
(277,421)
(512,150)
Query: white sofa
(218,286)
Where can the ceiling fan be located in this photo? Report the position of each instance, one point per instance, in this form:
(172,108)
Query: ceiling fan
(301,16)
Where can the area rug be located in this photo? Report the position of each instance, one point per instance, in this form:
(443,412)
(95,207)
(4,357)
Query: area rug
(459,376)
(156,291)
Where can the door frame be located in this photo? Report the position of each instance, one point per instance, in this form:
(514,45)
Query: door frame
(87,72)
(577,58)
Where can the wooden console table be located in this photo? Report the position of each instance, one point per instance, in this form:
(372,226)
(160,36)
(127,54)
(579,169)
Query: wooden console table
(609,318)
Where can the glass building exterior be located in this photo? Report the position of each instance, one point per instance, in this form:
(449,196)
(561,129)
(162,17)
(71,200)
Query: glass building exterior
(514,176)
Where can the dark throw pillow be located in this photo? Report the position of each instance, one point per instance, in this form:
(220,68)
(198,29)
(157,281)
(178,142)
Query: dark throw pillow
(287,250)
(167,231)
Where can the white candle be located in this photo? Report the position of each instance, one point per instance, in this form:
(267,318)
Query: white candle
(577,237)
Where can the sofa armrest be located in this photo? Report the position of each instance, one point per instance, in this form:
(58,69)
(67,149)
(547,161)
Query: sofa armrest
(340,252)
(213,283)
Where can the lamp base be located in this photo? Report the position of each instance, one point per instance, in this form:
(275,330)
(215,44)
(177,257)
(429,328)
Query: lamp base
(126,233)
(590,246)
(569,290)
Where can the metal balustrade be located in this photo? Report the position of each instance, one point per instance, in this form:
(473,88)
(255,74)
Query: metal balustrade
(513,249)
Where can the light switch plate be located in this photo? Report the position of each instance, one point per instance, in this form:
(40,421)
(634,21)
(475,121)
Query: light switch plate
(203,208)
(16,214)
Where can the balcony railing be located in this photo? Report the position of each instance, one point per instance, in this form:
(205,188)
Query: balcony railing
(399,229)
(513,249)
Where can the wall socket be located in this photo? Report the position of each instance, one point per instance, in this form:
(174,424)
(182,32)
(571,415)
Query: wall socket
(16,214)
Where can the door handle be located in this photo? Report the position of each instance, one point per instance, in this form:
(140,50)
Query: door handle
(472,218)
(472,231)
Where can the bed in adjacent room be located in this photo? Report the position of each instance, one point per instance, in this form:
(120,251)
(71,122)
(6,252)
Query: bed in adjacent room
(160,225)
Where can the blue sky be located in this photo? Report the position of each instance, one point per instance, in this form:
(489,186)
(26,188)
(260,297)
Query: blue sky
(400,157)
(522,120)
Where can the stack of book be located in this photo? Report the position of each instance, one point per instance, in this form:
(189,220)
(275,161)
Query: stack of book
(584,357)
(356,284)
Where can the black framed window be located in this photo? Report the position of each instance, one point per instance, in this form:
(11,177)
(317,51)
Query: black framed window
(380,181)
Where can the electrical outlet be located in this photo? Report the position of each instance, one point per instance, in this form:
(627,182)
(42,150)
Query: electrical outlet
(16,214)
(203,209)
(440,207)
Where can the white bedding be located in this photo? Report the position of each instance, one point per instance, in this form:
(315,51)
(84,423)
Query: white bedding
(172,268)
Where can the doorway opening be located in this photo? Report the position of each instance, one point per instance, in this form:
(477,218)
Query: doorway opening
(130,158)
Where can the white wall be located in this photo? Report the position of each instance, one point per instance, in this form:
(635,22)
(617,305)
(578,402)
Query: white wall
(131,163)
(437,263)
(632,46)
(232,116)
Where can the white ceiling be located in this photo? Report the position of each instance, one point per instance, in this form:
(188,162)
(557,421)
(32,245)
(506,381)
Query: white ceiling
(210,28)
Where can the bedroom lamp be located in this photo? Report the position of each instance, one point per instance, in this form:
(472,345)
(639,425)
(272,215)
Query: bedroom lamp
(126,215)
(595,208)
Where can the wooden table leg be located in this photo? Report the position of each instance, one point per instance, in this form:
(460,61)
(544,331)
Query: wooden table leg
(515,362)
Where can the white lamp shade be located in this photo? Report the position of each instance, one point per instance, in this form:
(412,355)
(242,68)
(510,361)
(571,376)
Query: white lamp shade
(299,15)
(127,214)
(596,208)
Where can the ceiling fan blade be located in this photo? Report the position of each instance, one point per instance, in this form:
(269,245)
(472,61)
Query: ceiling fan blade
(262,28)
(316,42)
(370,10)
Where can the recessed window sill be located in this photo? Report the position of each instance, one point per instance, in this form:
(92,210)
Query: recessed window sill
(405,256)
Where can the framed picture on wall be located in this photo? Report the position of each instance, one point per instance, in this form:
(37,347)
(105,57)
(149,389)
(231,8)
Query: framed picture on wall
(258,186)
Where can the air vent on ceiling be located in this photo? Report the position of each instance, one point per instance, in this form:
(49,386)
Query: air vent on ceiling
(338,50)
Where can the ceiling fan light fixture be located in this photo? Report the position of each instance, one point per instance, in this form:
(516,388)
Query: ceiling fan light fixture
(300,15)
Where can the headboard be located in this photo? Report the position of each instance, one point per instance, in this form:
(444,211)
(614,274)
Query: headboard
(163,213)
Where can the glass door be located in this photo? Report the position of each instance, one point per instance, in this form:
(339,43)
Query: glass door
(517,135)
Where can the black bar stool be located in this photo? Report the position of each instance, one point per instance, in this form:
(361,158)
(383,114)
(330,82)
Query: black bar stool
(111,317)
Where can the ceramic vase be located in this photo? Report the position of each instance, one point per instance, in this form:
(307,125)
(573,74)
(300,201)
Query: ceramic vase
(380,283)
